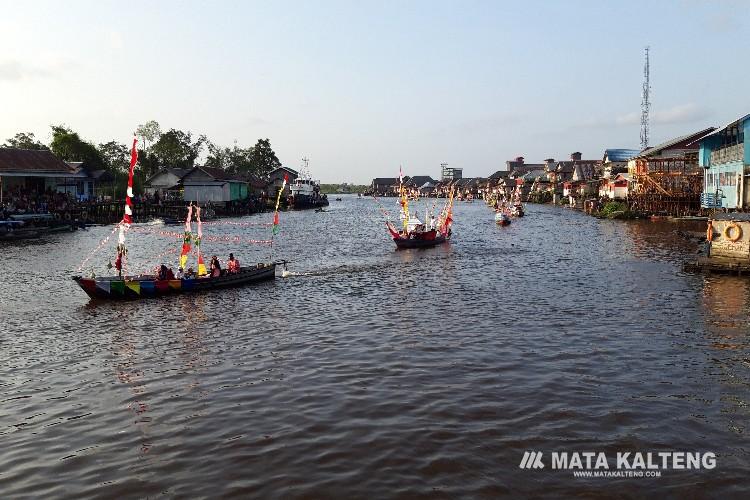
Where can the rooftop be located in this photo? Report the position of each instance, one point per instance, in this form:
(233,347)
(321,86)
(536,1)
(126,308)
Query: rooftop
(31,160)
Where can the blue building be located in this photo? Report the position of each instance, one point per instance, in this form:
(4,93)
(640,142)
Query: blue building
(726,183)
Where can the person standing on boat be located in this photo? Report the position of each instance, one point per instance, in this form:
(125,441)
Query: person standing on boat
(118,261)
(432,222)
(215,267)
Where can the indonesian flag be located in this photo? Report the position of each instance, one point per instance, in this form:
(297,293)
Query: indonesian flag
(128,217)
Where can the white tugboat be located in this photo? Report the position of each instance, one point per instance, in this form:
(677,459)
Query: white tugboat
(305,192)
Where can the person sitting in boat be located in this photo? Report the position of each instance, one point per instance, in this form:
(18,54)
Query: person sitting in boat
(170,274)
(233,265)
(190,273)
(180,273)
(163,272)
(215,267)
(433,222)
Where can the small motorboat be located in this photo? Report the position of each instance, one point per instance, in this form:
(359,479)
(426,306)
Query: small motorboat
(502,219)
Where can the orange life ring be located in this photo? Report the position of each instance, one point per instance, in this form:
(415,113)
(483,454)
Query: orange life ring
(737,234)
(710,232)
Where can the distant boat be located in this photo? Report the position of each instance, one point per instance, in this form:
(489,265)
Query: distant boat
(502,219)
(305,192)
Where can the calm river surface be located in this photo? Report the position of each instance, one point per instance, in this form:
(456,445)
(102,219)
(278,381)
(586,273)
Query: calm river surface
(377,373)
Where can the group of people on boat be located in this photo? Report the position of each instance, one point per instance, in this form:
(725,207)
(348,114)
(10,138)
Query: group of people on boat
(215,270)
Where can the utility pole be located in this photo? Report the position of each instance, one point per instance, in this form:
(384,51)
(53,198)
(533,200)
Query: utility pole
(645,103)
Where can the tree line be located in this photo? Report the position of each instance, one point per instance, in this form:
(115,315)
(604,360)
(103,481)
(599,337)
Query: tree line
(156,150)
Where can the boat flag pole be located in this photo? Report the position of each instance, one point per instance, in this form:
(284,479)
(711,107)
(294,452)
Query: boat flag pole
(127,218)
(276,214)
(186,238)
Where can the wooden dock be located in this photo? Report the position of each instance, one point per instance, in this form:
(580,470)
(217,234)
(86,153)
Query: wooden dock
(724,265)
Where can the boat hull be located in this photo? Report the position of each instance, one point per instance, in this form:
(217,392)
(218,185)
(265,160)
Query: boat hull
(116,288)
(418,243)
(306,202)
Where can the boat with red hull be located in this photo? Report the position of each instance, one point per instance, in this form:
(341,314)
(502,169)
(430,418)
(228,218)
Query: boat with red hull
(417,240)
(137,287)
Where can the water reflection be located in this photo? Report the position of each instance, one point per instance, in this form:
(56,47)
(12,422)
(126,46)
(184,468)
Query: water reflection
(726,305)
(128,371)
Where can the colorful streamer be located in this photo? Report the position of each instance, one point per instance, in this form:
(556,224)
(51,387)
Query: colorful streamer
(187,237)
(201,264)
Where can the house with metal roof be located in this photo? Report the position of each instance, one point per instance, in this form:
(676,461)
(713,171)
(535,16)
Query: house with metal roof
(726,163)
(202,184)
(520,167)
(382,186)
(166,180)
(615,161)
(276,180)
(40,171)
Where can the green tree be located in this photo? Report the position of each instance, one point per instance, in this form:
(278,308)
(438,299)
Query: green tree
(234,160)
(149,132)
(68,146)
(24,140)
(218,157)
(262,159)
(116,156)
(176,149)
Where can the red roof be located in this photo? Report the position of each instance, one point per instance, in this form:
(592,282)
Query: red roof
(31,160)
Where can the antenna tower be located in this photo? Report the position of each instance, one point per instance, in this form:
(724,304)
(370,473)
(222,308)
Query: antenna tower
(645,103)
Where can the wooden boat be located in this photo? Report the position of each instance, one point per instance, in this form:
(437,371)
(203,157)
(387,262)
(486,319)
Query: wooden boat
(420,240)
(136,287)
(415,233)
(502,219)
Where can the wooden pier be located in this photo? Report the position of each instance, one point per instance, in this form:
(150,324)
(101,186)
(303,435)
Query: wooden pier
(111,212)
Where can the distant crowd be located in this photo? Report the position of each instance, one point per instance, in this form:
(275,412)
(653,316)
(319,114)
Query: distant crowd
(18,200)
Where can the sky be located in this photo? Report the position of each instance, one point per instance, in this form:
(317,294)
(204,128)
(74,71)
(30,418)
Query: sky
(362,87)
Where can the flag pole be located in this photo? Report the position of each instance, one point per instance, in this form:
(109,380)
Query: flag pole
(276,214)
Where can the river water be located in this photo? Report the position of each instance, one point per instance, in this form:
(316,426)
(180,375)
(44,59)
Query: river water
(371,372)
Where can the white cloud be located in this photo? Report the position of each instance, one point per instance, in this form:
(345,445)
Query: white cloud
(16,70)
(682,113)
(115,40)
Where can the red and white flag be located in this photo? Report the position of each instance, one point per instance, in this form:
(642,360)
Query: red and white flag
(127,219)
(400,175)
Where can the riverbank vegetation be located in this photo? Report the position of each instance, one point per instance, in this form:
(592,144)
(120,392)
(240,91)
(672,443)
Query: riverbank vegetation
(156,150)
(343,188)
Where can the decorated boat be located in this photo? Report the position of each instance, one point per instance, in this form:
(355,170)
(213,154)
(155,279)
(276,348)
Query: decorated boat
(517,209)
(135,287)
(124,286)
(415,233)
